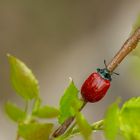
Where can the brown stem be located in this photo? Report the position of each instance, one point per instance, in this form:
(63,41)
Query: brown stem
(18,137)
(63,127)
(61,130)
(128,46)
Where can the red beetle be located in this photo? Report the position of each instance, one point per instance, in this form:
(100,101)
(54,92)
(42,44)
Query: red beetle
(96,85)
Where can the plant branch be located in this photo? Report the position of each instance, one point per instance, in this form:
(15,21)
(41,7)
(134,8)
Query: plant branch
(95,126)
(127,47)
(61,130)
(18,136)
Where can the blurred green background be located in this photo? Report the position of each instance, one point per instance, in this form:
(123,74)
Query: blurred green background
(59,39)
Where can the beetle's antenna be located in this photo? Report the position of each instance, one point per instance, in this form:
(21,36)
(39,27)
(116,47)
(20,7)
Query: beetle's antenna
(105,64)
(116,73)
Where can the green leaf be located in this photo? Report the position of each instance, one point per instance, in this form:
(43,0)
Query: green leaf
(66,103)
(111,121)
(130,119)
(37,104)
(84,126)
(131,103)
(46,112)
(23,80)
(14,112)
(35,131)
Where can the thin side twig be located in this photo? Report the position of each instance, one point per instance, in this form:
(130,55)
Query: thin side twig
(95,126)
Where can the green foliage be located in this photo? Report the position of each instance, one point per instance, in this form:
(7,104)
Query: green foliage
(23,80)
(46,112)
(84,126)
(124,121)
(66,103)
(111,121)
(26,85)
(129,119)
(35,131)
(15,113)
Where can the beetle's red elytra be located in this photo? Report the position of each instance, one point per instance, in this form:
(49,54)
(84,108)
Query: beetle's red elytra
(96,86)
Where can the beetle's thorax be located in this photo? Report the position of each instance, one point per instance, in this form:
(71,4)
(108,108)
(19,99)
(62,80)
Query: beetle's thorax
(104,73)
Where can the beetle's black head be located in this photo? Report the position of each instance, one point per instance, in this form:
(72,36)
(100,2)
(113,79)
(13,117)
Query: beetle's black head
(104,73)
